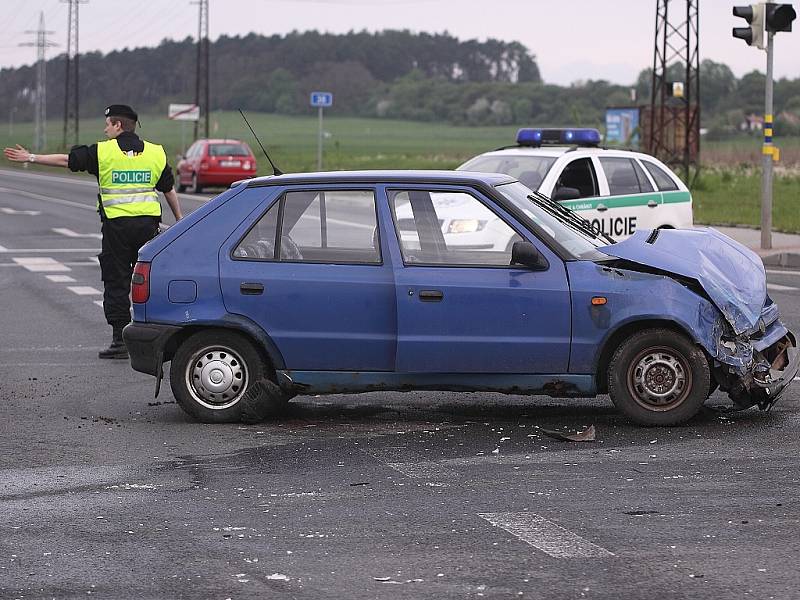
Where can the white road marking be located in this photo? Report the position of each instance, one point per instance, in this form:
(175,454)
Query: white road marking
(781,288)
(81,205)
(62,179)
(61,278)
(545,535)
(781,272)
(73,234)
(48,250)
(84,290)
(99,303)
(398,459)
(41,264)
(14,211)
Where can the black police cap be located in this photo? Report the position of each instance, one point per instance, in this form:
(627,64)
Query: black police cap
(121,110)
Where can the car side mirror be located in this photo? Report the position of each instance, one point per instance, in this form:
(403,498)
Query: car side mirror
(567,193)
(526,254)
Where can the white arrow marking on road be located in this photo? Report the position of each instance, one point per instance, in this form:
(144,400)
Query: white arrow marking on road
(545,535)
(41,264)
(14,211)
(84,290)
(73,234)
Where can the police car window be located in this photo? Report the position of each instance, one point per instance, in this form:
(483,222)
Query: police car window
(580,175)
(334,226)
(621,176)
(644,182)
(530,170)
(450,228)
(663,181)
(228,150)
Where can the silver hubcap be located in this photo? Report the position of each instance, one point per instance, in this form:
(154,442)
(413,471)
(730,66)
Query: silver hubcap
(216,377)
(659,379)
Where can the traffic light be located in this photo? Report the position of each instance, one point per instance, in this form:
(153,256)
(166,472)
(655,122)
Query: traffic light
(754,15)
(779,17)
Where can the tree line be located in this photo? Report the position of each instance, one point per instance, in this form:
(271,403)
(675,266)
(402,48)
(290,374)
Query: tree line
(388,74)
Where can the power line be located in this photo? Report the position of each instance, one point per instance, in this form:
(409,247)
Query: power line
(71,84)
(41,44)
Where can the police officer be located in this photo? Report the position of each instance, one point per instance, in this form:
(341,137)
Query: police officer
(130,172)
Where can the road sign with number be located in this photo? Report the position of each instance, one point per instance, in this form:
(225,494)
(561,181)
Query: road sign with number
(321,99)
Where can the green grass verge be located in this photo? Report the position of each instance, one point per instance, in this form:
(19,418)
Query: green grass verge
(728,195)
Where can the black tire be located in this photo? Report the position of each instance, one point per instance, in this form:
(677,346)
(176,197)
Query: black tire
(659,377)
(207,355)
(196,187)
(179,187)
(262,401)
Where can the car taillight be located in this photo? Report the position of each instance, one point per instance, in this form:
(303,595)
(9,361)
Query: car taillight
(203,166)
(140,282)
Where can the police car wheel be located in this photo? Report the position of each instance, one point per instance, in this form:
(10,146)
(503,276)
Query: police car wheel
(659,377)
(210,373)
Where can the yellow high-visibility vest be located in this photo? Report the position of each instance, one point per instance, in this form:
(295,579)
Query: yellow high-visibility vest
(127,180)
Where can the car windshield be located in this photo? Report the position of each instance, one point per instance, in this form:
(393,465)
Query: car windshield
(565,228)
(228,150)
(530,170)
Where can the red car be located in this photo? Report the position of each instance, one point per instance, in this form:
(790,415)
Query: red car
(214,163)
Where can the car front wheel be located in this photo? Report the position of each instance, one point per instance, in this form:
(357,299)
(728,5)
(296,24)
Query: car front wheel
(210,373)
(659,377)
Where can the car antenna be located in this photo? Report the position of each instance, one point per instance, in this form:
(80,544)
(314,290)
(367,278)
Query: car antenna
(275,170)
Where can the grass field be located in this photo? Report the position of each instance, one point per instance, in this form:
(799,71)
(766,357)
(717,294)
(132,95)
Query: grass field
(728,192)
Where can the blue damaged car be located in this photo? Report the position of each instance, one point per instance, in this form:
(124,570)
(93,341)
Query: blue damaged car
(350,282)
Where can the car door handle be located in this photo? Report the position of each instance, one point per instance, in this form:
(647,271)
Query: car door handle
(431,295)
(251,289)
(601,207)
(652,203)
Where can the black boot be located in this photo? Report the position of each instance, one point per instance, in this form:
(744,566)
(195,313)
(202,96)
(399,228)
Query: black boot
(117,348)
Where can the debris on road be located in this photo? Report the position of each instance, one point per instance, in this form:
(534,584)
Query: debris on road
(587,435)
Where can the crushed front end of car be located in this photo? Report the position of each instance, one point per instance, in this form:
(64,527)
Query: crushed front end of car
(753,356)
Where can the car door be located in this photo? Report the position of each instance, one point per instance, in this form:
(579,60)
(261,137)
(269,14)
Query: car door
(461,307)
(322,292)
(631,199)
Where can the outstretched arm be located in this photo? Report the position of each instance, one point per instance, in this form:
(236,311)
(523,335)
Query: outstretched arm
(20,154)
(174,205)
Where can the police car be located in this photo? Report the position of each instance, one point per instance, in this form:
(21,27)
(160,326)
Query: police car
(617,191)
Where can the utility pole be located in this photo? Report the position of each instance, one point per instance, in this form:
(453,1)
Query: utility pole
(764,20)
(672,130)
(201,89)
(40,117)
(71,86)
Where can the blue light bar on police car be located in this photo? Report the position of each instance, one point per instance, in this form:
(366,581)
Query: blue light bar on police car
(576,136)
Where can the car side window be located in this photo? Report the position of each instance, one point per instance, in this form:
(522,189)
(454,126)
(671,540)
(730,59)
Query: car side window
(319,226)
(450,228)
(621,176)
(644,182)
(663,181)
(579,174)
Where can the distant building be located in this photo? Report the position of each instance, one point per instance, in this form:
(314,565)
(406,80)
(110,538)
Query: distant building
(752,122)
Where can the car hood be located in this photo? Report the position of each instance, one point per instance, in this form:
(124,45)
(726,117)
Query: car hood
(732,275)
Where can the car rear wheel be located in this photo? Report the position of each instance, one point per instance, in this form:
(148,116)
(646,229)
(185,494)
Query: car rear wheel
(179,187)
(659,377)
(196,187)
(210,373)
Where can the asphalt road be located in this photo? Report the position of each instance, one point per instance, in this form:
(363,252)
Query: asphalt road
(109,493)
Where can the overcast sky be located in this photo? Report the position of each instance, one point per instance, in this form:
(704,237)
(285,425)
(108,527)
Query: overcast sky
(572,39)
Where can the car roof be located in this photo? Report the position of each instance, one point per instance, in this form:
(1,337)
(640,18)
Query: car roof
(556,151)
(222,141)
(380,176)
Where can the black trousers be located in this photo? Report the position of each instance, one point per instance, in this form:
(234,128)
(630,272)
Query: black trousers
(122,238)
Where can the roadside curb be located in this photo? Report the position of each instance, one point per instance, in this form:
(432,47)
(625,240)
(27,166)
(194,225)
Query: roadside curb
(782,259)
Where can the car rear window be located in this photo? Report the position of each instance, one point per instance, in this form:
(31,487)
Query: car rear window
(663,181)
(529,170)
(228,150)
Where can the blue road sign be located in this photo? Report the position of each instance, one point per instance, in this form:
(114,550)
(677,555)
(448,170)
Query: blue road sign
(321,99)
